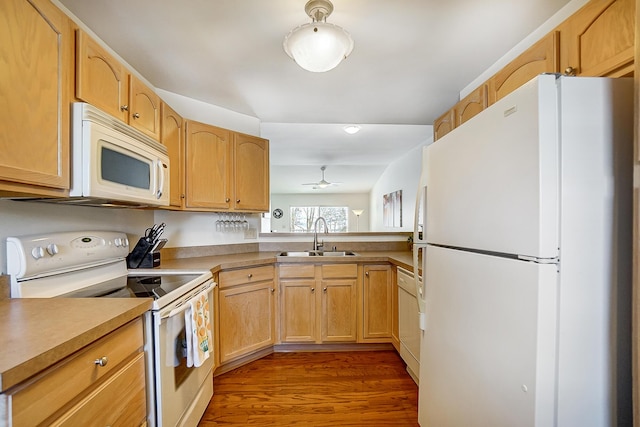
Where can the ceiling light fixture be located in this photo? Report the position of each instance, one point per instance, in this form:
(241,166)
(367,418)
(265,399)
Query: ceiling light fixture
(318,46)
(351,129)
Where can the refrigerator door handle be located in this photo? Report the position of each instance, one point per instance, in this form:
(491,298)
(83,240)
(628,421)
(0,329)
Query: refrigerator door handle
(537,260)
(420,294)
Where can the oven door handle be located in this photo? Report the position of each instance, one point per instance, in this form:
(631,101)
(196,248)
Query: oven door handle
(183,305)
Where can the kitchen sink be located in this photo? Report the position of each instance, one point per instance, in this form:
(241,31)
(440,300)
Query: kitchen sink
(317,253)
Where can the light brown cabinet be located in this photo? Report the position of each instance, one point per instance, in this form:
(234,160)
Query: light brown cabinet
(208,155)
(105,82)
(542,57)
(35,116)
(444,124)
(81,391)
(318,303)
(471,105)
(377,304)
(225,170)
(598,40)
(172,137)
(246,310)
(144,108)
(251,173)
(101,79)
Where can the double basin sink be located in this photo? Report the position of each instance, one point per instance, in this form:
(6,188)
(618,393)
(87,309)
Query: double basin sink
(317,253)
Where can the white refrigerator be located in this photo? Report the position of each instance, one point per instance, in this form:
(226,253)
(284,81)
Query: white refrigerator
(527,263)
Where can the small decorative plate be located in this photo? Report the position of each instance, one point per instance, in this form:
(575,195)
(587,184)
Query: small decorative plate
(277,213)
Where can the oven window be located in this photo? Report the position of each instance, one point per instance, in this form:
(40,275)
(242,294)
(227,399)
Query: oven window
(125,170)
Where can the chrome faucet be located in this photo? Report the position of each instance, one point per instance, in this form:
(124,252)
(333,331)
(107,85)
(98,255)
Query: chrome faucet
(317,245)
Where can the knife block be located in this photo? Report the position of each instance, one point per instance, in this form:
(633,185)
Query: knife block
(142,257)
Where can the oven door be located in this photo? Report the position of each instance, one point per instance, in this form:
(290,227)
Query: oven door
(180,390)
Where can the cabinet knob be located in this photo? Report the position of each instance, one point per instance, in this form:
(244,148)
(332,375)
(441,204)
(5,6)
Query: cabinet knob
(313,289)
(570,71)
(124,108)
(249,276)
(366,273)
(273,290)
(136,115)
(102,361)
(227,200)
(238,201)
(324,290)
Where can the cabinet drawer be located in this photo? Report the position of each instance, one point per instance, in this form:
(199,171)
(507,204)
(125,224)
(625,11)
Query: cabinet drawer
(339,270)
(49,392)
(297,270)
(119,401)
(245,275)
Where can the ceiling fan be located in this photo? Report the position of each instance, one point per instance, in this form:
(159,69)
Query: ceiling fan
(322,183)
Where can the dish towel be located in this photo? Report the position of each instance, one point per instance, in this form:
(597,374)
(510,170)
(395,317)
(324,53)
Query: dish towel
(198,330)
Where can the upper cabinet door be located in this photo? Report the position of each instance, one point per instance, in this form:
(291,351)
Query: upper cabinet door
(101,80)
(35,87)
(144,108)
(251,176)
(444,124)
(471,105)
(172,137)
(598,40)
(208,166)
(542,57)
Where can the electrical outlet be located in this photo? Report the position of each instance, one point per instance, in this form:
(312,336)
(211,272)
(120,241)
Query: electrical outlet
(251,233)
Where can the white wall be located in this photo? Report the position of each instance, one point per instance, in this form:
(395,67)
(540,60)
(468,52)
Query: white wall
(403,174)
(285,201)
(24,218)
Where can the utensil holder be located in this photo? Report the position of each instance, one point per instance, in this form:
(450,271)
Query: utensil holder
(142,257)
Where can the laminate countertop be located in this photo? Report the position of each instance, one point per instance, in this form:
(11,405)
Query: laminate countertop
(216,263)
(36,333)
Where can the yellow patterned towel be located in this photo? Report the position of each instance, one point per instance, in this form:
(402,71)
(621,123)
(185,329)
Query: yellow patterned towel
(198,330)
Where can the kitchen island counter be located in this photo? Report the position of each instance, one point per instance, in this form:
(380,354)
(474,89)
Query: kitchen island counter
(36,333)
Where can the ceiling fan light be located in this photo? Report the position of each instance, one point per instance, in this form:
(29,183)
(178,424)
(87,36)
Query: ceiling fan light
(318,46)
(352,129)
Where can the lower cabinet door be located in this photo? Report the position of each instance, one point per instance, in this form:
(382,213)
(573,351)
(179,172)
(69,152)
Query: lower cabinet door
(119,401)
(247,319)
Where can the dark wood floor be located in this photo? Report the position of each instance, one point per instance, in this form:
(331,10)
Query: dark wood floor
(369,388)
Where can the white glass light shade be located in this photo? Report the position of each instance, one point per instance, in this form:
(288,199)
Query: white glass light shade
(318,46)
(357,212)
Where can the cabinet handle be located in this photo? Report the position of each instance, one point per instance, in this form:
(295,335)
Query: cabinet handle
(313,289)
(124,108)
(249,276)
(136,115)
(102,361)
(570,71)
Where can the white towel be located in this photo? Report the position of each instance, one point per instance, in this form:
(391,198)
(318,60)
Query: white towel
(198,330)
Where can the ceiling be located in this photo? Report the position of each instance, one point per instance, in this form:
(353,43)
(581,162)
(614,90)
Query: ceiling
(410,61)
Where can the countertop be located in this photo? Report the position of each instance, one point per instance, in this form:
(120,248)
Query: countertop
(39,332)
(216,263)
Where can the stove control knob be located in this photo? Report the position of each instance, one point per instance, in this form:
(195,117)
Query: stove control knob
(52,249)
(125,242)
(117,241)
(37,252)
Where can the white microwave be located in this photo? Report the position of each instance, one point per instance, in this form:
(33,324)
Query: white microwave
(114,163)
